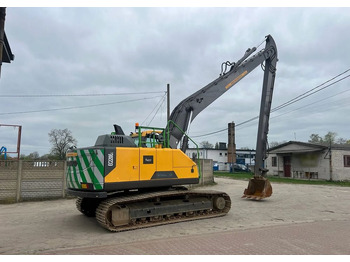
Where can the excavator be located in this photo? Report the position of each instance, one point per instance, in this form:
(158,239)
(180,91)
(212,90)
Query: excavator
(141,180)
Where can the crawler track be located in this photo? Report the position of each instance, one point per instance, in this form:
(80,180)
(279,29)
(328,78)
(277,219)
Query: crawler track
(159,208)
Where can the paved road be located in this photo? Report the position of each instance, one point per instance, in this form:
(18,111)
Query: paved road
(314,238)
(297,219)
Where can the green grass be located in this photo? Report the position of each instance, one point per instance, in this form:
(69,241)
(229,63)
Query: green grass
(247,176)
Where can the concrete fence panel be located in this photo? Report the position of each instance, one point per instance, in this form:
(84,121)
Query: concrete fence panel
(31,180)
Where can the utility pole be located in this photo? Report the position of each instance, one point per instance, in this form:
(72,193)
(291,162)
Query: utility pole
(330,161)
(168,101)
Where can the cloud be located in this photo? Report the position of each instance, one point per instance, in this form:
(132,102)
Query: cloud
(133,50)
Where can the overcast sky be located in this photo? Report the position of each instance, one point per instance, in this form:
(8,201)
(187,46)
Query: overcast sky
(100,51)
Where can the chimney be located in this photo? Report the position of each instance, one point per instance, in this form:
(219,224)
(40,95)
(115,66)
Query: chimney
(231,148)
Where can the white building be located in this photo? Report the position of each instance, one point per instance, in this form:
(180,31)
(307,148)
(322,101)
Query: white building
(306,160)
(219,156)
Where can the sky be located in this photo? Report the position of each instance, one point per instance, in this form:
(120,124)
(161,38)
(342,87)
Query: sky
(87,68)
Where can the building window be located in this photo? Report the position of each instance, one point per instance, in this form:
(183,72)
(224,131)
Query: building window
(347,161)
(274,161)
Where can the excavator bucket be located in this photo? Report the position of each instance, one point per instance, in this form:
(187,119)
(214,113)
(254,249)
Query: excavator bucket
(258,188)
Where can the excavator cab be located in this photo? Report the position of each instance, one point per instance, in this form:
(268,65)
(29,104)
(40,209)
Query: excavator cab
(152,137)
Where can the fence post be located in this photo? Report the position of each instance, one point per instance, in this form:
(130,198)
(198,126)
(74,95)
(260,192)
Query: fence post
(201,182)
(64,179)
(19,180)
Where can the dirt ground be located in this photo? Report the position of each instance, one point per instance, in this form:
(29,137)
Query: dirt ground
(39,227)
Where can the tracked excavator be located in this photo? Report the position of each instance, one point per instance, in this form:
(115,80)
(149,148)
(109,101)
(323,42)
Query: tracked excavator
(139,180)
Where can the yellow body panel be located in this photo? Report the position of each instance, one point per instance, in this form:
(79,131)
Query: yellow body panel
(127,166)
(180,159)
(165,159)
(148,161)
(182,165)
(140,164)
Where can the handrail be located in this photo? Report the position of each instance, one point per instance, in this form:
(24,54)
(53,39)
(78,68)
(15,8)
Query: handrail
(184,133)
(165,143)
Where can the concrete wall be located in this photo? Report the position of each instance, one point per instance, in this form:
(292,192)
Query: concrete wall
(339,172)
(207,175)
(31,180)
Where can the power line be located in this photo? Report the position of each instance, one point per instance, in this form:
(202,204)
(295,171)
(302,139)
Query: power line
(74,95)
(76,107)
(300,97)
(290,102)
(308,105)
(157,111)
(158,105)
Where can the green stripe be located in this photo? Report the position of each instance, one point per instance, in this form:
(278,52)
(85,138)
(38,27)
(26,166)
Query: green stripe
(97,161)
(91,174)
(83,178)
(69,178)
(75,176)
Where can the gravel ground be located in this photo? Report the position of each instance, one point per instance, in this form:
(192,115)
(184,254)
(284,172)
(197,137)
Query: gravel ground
(48,226)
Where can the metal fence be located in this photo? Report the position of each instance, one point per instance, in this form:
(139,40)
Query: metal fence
(38,180)
(31,180)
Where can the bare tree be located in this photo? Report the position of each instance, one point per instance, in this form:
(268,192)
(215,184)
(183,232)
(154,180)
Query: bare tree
(329,138)
(275,143)
(206,144)
(343,141)
(315,138)
(61,141)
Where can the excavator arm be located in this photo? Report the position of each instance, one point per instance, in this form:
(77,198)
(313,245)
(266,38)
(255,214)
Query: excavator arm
(185,112)
(181,117)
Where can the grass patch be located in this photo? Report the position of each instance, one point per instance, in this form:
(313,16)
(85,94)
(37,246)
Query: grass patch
(247,176)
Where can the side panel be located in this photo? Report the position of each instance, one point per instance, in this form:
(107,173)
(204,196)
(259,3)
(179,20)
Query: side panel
(183,166)
(164,159)
(86,166)
(148,163)
(127,166)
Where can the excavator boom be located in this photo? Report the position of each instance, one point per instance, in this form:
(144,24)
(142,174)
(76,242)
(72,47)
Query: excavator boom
(185,112)
(259,187)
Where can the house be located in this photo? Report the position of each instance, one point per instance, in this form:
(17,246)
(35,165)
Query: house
(309,161)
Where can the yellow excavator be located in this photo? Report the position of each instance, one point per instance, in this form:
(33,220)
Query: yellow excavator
(138,180)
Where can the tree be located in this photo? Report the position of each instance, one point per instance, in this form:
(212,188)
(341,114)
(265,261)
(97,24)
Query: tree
(31,156)
(61,141)
(275,143)
(315,138)
(343,141)
(328,138)
(206,145)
